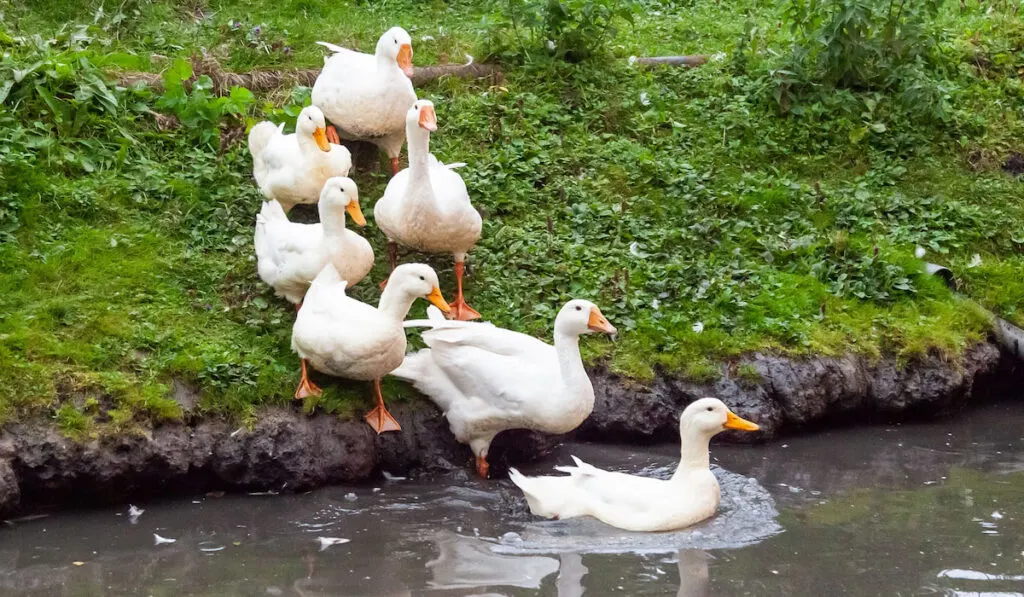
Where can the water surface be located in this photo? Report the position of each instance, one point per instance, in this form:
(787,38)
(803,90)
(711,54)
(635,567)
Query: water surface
(924,509)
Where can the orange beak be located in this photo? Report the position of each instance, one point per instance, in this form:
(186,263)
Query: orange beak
(437,299)
(355,213)
(320,135)
(732,421)
(405,59)
(598,323)
(428,118)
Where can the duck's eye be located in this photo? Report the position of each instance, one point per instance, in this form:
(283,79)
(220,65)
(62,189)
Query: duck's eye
(422,278)
(579,308)
(710,408)
(396,42)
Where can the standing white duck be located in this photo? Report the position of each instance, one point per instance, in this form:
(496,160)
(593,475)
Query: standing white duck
(290,255)
(366,96)
(347,338)
(426,206)
(642,503)
(488,379)
(293,168)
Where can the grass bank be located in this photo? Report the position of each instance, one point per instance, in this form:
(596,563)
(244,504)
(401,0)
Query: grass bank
(769,200)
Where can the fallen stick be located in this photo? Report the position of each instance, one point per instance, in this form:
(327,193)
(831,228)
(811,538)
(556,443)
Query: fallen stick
(691,61)
(268,80)
(260,80)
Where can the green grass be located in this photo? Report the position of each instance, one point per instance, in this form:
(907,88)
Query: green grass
(674,198)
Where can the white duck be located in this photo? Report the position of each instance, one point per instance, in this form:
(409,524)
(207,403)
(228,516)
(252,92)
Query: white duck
(293,168)
(290,255)
(426,206)
(341,336)
(488,379)
(366,96)
(642,503)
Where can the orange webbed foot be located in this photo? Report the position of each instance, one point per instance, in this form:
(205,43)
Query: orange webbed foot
(381,420)
(462,311)
(306,388)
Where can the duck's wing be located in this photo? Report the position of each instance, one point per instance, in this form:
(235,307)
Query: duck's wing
(507,370)
(588,490)
(286,250)
(282,152)
(344,60)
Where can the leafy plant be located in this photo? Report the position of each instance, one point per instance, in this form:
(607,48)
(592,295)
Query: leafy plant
(864,45)
(199,110)
(571,30)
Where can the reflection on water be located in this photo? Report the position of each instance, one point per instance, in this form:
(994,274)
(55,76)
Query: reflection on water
(918,510)
(469,562)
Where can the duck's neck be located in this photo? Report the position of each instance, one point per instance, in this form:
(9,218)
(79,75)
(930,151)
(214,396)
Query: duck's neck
(307,144)
(387,64)
(395,303)
(333,222)
(570,363)
(419,156)
(693,453)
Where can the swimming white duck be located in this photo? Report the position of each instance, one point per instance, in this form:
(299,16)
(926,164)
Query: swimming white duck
(642,503)
(344,337)
(488,379)
(366,96)
(426,206)
(290,255)
(293,168)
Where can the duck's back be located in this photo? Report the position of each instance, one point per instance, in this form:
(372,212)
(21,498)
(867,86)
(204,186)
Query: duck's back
(365,101)
(505,380)
(348,338)
(624,501)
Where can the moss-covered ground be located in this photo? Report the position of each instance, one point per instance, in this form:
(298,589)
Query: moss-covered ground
(710,211)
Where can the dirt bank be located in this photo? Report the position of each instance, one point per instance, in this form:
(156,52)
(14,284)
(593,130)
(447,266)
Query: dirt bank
(289,451)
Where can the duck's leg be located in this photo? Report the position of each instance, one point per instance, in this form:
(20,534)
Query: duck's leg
(306,388)
(460,310)
(332,135)
(392,259)
(379,418)
(482,468)
(395,168)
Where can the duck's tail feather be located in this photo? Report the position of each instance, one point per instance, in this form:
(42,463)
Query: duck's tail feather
(581,468)
(271,213)
(419,369)
(547,496)
(332,47)
(260,136)
(434,318)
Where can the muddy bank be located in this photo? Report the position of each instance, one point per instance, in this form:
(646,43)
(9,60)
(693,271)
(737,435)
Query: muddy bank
(288,451)
(789,395)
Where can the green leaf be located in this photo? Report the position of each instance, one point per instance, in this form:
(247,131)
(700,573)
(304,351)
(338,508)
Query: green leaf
(180,70)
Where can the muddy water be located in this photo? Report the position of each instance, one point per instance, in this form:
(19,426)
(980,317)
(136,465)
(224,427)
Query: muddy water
(928,509)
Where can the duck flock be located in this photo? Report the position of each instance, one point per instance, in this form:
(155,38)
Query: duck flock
(486,379)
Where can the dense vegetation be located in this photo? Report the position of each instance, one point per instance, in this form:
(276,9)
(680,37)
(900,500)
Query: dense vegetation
(769,200)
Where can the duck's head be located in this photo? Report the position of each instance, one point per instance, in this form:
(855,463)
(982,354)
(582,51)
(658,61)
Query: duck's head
(579,317)
(340,193)
(311,123)
(422,114)
(396,45)
(711,416)
(418,280)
